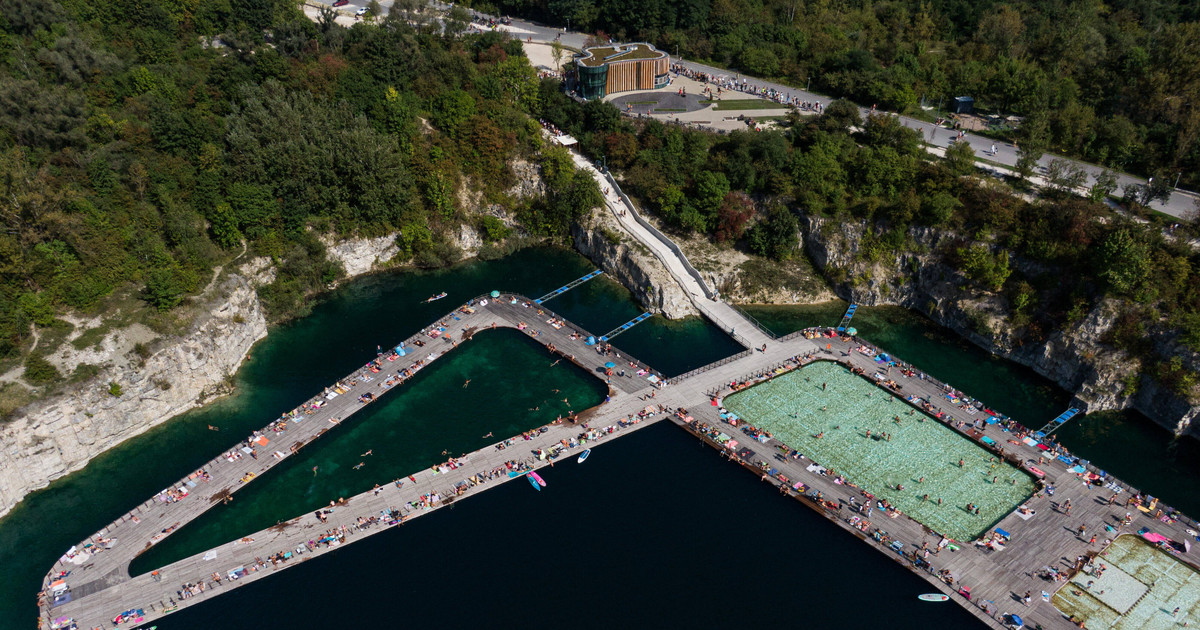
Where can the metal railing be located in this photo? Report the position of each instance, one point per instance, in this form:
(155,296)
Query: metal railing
(715,364)
(409,342)
(687,265)
(753,320)
(576,328)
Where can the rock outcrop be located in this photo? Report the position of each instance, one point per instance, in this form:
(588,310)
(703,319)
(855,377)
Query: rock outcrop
(1101,377)
(55,436)
(602,239)
(360,255)
(60,434)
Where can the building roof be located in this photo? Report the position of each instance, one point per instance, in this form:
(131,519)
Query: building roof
(600,55)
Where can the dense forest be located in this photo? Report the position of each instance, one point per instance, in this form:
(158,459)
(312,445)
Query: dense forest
(1115,83)
(1051,260)
(145,142)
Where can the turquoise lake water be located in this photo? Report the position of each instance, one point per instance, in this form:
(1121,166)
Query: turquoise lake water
(637,525)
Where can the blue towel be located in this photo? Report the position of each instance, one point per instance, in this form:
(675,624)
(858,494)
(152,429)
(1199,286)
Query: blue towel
(987,440)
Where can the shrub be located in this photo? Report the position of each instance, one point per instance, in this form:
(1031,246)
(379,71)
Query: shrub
(39,371)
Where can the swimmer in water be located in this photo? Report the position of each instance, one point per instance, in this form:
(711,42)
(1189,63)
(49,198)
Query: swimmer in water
(370,452)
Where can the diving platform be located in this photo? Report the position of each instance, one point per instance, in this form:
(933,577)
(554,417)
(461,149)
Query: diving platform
(567,287)
(1054,424)
(847,317)
(626,326)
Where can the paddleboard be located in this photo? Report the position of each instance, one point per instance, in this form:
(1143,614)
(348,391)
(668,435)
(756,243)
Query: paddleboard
(533,482)
(538,478)
(584,455)
(933,597)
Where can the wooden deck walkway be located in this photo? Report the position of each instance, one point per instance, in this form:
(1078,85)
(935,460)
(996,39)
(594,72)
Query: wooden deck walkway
(99,579)
(101,587)
(997,578)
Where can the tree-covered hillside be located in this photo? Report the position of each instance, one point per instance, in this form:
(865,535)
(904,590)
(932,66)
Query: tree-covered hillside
(145,142)
(1115,83)
(1047,261)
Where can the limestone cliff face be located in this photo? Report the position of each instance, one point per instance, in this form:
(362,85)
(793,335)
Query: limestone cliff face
(60,434)
(601,238)
(360,255)
(1101,377)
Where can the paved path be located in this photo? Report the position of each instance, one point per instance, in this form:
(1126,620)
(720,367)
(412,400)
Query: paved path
(99,579)
(1178,205)
(723,315)
(998,576)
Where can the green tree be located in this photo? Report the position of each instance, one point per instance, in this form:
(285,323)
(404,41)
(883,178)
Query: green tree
(163,289)
(711,188)
(1123,261)
(759,61)
(839,116)
(777,237)
(39,371)
(987,268)
(451,110)
(556,52)
(938,208)
(1028,155)
(1062,176)
(456,22)
(374,10)
(960,158)
(1104,185)
(223,225)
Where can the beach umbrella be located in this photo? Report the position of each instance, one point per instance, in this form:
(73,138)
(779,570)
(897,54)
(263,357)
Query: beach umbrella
(610,365)
(1016,621)
(851,331)
(495,294)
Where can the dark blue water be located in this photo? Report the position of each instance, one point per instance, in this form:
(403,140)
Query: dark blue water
(653,531)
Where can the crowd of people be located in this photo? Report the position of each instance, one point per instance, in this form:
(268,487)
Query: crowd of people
(740,84)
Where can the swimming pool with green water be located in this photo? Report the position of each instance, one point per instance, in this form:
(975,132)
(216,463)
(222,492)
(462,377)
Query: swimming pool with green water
(825,399)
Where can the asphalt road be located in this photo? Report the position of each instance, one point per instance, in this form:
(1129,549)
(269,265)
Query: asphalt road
(1178,205)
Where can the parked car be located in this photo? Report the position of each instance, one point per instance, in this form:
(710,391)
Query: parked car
(361,11)
(340,3)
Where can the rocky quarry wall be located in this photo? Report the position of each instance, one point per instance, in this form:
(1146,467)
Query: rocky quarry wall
(55,436)
(601,238)
(60,434)
(1075,358)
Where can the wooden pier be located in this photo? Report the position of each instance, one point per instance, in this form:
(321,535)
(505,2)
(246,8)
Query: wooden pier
(99,587)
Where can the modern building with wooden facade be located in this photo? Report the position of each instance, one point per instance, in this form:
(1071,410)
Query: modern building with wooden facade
(604,70)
